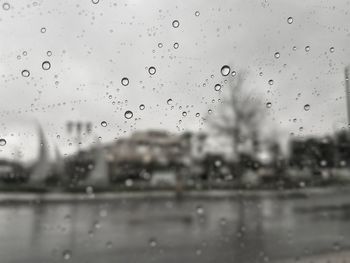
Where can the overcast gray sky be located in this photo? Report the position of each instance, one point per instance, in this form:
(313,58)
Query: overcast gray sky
(95,45)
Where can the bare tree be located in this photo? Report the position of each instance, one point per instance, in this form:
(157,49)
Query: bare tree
(240,116)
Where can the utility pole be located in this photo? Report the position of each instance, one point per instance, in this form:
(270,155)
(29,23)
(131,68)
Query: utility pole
(347,93)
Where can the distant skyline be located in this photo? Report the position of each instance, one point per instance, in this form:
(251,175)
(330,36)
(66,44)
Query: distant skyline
(91,47)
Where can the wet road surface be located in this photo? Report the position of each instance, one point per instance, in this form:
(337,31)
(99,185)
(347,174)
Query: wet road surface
(240,228)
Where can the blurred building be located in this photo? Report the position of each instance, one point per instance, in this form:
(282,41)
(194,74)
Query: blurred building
(153,150)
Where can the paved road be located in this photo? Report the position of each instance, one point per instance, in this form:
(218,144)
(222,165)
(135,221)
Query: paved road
(262,227)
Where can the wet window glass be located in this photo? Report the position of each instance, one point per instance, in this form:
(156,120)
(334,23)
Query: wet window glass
(166,131)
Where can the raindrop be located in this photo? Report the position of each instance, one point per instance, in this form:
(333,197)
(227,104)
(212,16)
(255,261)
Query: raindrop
(43,30)
(125,81)
(169,101)
(46,65)
(198,114)
(176,45)
(104,124)
(217,87)
(225,70)
(25,73)
(152,242)
(268,105)
(67,254)
(277,55)
(290,20)
(331,49)
(176,23)
(184,113)
(160,45)
(95,1)
(2,142)
(109,244)
(49,53)
(142,107)
(129,182)
(223,221)
(6,6)
(307,48)
(336,246)
(97,225)
(89,189)
(199,210)
(152,70)
(306,107)
(271,82)
(128,114)
(233,73)
(197,13)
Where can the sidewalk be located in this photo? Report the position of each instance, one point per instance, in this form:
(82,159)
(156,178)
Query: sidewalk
(211,194)
(338,257)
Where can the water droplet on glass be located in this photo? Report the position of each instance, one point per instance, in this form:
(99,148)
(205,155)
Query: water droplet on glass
(217,87)
(199,210)
(67,254)
(129,182)
(184,113)
(152,242)
(169,101)
(43,30)
(104,124)
(49,53)
(277,55)
(176,23)
(306,107)
(25,73)
(125,81)
(160,45)
(89,190)
(331,49)
(290,20)
(97,225)
(95,1)
(197,13)
(6,6)
(233,73)
(176,45)
(46,65)
(109,244)
(223,221)
(271,82)
(307,48)
(225,70)
(198,252)
(268,105)
(128,114)
(142,107)
(152,70)
(2,142)
(198,114)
